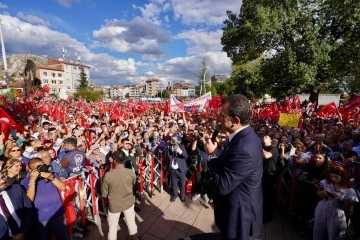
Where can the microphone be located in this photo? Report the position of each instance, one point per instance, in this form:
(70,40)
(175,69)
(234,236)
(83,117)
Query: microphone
(216,132)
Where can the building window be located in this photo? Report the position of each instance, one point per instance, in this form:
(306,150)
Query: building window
(59,89)
(45,74)
(68,87)
(60,82)
(45,81)
(59,74)
(53,81)
(53,74)
(53,89)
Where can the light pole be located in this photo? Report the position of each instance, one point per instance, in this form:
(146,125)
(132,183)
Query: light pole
(4,59)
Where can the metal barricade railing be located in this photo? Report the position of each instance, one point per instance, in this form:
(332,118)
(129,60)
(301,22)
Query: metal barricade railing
(85,199)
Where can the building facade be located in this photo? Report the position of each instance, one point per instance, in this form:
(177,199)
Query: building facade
(220,78)
(71,72)
(151,87)
(136,90)
(53,76)
(183,90)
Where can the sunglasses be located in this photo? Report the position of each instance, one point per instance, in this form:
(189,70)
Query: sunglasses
(15,150)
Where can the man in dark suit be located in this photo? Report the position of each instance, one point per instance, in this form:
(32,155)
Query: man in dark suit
(237,173)
(16,212)
(177,167)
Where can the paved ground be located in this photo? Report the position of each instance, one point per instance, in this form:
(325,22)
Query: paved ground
(159,219)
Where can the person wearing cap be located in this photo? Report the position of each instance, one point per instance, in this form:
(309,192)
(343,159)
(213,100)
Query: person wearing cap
(74,160)
(130,152)
(117,186)
(95,157)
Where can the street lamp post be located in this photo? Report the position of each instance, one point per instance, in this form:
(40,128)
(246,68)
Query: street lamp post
(4,58)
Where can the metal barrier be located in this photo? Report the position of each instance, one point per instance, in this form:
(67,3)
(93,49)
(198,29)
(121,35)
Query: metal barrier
(83,200)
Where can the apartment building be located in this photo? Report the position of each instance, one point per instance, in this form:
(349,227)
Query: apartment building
(183,90)
(152,87)
(220,78)
(71,72)
(119,92)
(53,76)
(136,90)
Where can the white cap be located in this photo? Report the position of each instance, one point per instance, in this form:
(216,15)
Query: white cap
(36,135)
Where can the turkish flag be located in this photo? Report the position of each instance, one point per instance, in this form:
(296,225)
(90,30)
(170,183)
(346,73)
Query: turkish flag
(327,110)
(67,198)
(351,110)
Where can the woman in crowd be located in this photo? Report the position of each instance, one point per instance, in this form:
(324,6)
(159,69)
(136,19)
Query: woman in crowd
(13,151)
(12,171)
(313,173)
(337,201)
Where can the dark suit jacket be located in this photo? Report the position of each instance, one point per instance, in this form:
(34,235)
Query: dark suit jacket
(23,208)
(181,158)
(236,175)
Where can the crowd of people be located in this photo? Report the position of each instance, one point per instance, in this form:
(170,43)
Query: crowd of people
(36,161)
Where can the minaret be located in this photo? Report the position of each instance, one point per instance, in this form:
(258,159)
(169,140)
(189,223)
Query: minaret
(63,54)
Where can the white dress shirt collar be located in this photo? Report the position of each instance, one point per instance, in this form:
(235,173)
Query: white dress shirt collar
(232,135)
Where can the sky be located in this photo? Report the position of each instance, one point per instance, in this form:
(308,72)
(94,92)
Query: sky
(124,42)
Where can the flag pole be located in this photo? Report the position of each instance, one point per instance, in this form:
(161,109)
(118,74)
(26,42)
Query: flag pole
(4,58)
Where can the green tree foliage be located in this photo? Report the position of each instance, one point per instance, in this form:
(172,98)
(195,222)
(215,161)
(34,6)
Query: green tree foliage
(296,44)
(10,94)
(223,88)
(247,80)
(88,94)
(85,91)
(83,80)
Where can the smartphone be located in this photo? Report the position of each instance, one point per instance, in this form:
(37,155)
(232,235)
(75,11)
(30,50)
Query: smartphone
(292,151)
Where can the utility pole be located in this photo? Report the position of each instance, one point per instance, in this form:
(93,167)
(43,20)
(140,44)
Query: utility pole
(4,59)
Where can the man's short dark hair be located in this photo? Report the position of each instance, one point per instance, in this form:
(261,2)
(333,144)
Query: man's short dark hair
(70,140)
(119,156)
(239,106)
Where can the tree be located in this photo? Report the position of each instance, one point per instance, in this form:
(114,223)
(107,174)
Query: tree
(203,77)
(223,88)
(247,80)
(296,41)
(84,90)
(83,80)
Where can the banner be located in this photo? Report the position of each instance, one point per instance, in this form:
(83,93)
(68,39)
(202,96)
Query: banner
(289,120)
(195,105)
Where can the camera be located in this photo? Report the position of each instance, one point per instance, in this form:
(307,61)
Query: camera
(44,168)
(173,142)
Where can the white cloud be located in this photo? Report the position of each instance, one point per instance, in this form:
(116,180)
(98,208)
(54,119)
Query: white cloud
(136,36)
(67,3)
(199,41)
(187,68)
(3,6)
(33,19)
(150,12)
(204,11)
(23,37)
